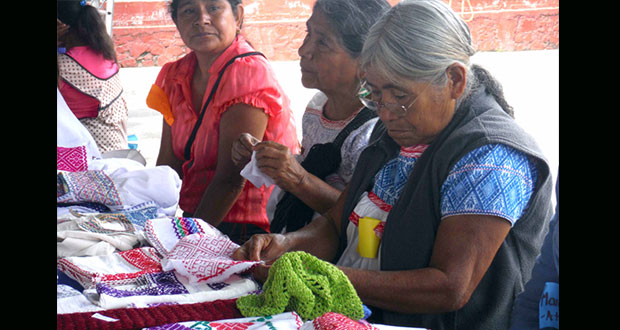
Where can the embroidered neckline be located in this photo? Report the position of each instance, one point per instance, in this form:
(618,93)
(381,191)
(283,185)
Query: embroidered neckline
(413,151)
(318,106)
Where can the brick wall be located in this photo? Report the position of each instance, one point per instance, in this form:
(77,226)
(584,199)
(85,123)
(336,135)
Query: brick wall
(145,35)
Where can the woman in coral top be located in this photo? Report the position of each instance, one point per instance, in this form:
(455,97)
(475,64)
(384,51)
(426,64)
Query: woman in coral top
(248,99)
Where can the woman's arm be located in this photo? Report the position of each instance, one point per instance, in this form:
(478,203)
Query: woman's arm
(321,237)
(463,250)
(166,155)
(227,183)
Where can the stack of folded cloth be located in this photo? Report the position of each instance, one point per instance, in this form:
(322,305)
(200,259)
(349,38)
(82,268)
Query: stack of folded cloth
(189,261)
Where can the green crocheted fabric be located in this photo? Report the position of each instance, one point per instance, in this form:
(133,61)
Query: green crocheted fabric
(309,286)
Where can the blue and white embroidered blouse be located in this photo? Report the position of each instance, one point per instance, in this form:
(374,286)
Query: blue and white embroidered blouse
(494,179)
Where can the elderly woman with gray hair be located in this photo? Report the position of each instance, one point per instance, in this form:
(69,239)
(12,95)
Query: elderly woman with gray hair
(336,126)
(456,191)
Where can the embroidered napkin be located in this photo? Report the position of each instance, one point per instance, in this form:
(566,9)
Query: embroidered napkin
(116,268)
(254,174)
(205,258)
(164,233)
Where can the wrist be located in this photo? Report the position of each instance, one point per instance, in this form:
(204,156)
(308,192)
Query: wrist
(302,179)
(297,186)
(289,241)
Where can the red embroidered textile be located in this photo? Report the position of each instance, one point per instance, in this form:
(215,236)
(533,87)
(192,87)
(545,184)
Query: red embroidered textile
(203,257)
(335,321)
(138,318)
(71,159)
(129,265)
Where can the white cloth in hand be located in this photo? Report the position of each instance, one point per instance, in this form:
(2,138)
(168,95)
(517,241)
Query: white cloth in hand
(254,174)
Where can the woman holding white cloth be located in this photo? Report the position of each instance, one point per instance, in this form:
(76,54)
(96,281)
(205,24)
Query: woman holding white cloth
(330,63)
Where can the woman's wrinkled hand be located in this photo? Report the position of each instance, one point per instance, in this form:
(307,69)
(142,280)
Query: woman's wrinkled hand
(262,247)
(242,149)
(276,161)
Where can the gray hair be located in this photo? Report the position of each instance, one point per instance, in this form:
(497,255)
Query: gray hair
(419,40)
(351,20)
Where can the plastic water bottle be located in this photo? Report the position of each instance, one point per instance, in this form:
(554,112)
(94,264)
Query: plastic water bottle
(132,141)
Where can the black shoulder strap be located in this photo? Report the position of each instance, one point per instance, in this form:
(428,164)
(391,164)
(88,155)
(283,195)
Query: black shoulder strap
(192,137)
(363,116)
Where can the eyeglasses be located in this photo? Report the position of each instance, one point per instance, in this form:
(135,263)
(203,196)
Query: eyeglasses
(364,94)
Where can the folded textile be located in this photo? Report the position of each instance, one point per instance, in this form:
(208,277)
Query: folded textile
(160,184)
(83,231)
(138,318)
(166,287)
(205,258)
(284,321)
(79,243)
(254,174)
(70,300)
(90,234)
(140,213)
(116,268)
(87,186)
(72,159)
(62,209)
(121,188)
(164,233)
(309,286)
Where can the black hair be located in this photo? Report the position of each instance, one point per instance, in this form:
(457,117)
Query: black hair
(493,87)
(351,20)
(88,25)
(174,5)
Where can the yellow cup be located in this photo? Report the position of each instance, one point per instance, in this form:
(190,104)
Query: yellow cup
(368,243)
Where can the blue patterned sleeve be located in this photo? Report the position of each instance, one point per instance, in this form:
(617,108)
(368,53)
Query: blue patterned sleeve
(494,179)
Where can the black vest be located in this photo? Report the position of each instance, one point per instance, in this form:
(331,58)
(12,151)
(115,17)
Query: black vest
(413,221)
